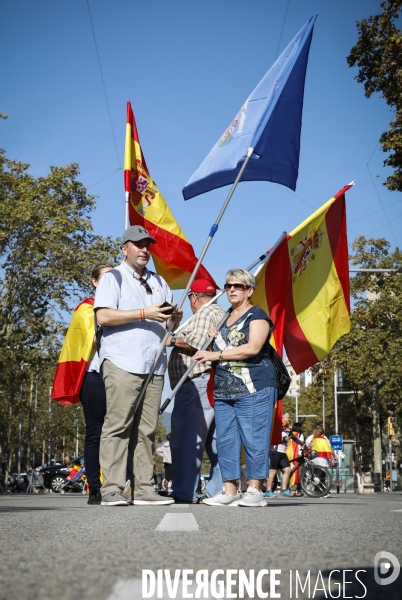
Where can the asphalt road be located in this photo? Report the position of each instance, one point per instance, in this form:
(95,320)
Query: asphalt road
(58,548)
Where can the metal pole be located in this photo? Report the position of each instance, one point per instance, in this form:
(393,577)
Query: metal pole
(336,401)
(336,426)
(168,400)
(323,405)
(375,270)
(183,325)
(23,364)
(49,445)
(34,423)
(126,205)
(390,463)
(259,260)
(297,407)
(20,428)
(76,433)
(214,229)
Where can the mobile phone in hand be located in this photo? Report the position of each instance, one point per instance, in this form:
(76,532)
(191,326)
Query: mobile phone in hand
(166,305)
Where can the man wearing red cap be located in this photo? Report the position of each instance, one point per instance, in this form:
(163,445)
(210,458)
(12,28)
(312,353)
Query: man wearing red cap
(193,418)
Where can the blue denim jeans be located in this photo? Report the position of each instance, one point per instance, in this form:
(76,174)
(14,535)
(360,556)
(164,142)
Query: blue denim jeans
(193,429)
(246,420)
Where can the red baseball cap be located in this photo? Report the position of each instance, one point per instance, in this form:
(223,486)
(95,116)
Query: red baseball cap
(202,286)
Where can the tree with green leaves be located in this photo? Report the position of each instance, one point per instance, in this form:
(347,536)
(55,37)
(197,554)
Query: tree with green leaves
(47,250)
(378,56)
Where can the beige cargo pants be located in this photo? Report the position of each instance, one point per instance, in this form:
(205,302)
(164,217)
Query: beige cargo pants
(129,429)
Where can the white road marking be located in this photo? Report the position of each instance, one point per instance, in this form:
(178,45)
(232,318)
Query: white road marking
(178,522)
(397,510)
(179,505)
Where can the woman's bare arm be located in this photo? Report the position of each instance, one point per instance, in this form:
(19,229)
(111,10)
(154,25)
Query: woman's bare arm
(258,334)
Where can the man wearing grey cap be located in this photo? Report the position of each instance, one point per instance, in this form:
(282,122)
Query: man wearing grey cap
(128,307)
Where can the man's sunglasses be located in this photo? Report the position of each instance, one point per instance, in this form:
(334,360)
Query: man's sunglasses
(237,286)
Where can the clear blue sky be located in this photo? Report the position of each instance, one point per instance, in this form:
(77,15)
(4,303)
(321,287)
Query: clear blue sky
(187,67)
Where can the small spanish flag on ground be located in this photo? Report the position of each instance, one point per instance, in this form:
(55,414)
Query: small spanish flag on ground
(173,255)
(75,354)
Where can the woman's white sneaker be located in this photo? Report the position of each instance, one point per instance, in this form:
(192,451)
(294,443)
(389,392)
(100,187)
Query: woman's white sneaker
(222,499)
(253,498)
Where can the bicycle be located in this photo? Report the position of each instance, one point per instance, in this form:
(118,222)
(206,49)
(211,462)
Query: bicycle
(315,480)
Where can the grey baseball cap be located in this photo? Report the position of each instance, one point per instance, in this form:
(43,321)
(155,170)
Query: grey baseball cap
(136,233)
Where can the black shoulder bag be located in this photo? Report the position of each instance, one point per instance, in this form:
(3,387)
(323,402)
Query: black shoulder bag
(282,374)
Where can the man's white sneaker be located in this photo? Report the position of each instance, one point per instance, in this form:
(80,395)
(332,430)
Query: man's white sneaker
(222,499)
(127,490)
(252,498)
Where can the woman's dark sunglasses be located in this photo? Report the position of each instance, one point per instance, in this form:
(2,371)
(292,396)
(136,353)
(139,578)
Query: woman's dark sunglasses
(237,286)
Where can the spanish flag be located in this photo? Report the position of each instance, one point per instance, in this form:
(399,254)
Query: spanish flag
(317,311)
(322,446)
(271,291)
(270,295)
(75,354)
(173,255)
(292,452)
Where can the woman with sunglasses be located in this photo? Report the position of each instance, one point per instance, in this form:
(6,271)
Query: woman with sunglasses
(245,392)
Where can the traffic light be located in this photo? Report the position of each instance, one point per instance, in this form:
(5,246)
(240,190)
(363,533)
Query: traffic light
(391,426)
(340,378)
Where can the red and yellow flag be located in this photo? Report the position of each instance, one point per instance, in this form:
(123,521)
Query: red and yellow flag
(75,355)
(270,295)
(292,452)
(322,446)
(317,310)
(173,255)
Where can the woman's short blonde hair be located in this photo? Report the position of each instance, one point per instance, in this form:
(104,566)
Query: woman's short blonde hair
(242,275)
(318,430)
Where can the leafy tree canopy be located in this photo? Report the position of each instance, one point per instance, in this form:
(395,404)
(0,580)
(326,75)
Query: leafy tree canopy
(47,251)
(378,55)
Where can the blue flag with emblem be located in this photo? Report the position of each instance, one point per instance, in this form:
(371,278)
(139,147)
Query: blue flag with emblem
(269,122)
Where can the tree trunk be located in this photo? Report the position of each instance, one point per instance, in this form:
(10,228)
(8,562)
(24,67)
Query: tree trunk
(358,463)
(375,410)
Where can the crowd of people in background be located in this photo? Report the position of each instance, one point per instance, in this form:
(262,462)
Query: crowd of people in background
(224,406)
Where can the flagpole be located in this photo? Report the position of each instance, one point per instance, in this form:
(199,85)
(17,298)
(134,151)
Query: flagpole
(214,229)
(263,259)
(126,210)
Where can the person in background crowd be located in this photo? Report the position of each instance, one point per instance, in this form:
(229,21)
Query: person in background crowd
(279,460)
(246,389)
(319,442)
(93,400)
(294,452)
(88,388)
(131,304)
(165,452)
(193,417)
